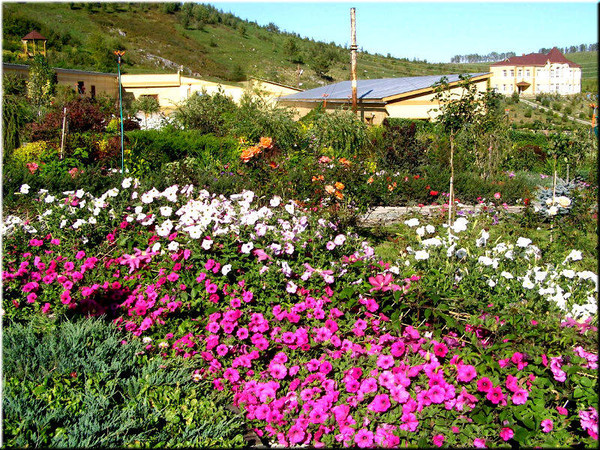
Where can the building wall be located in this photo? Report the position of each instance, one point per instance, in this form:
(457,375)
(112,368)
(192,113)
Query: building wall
(424,106)
(551,78)
(104,83)
(173,89)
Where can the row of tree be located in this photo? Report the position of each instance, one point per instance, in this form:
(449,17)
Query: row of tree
(495,56)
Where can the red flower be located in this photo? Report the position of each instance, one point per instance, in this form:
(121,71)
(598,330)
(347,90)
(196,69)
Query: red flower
(433,193)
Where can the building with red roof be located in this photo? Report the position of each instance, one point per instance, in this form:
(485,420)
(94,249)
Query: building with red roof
(536,73)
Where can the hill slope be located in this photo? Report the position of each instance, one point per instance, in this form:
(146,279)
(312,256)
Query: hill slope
(205,41)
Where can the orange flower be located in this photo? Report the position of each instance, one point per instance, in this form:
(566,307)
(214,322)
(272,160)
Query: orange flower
(391,186)
(339,195)
(250,152)
(345,162)
(318,178)
(273,165)
(324,159)
(329,189)
(370,180)
(339,186)
(266,142)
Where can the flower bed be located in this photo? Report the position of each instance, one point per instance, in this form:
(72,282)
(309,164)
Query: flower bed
(315,339)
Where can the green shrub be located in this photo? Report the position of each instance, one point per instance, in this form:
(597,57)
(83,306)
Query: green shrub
(258,117)
(206,113)
(528,113)
(80,384)
(340,134)
(401,150)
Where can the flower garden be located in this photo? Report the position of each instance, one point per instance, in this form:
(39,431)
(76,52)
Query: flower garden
(145,313)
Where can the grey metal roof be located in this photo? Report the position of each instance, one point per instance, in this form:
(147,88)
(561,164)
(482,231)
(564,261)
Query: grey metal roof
(373,90)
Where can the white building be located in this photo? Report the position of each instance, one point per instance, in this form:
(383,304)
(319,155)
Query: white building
(536,73)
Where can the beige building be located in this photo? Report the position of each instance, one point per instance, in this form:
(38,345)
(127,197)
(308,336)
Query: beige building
(173,89)
(536,73)
(408,98)
(86,83)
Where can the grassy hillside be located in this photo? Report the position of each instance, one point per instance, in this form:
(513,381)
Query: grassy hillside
(206,42)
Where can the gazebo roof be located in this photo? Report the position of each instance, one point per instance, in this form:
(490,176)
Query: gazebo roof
(33,35)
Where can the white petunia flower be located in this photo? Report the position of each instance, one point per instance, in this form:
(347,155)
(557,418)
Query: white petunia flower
(460,224)
(173,246)
(523,242)
(126,184)
(461,253)
(226,269)
(420,231)
(507,275)
(575,255)
(24,189)
(247,248)
(166,211)
(430,229)
(482,241)
(436,242)
(339,239)
(207,244)
(412,222)
(527,284)
(421,255)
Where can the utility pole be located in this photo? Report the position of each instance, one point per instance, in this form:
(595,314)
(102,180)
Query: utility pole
(353,48)
(119,54)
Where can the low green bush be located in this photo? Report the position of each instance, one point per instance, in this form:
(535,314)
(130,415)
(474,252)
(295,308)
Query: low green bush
(82,384)
(152,148)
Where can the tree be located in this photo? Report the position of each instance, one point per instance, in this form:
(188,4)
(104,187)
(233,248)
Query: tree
(146,104)
(41,84)
(16,112)
(465,109)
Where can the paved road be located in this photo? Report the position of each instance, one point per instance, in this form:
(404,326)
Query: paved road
(535,105)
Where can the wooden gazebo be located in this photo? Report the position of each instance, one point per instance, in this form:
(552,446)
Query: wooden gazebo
(34,37)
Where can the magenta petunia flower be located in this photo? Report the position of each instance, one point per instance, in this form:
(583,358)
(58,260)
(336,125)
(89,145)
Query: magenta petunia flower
(438,440)
(495,395)
(506,434)
(465,373)
(364,438)
(380,403)
(520,397)
(436,394)
(547,425)
(479,443)
(484,384)
(385,361)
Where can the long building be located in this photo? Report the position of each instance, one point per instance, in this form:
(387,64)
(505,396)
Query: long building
(408,98)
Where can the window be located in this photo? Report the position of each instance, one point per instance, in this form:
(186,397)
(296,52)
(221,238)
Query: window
(520,73)
(512,73)
(154,96)
(80,87)
(504,73)
(527,73)
(93,91)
